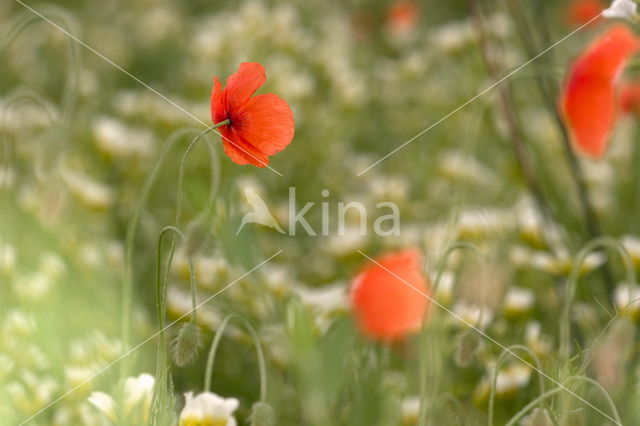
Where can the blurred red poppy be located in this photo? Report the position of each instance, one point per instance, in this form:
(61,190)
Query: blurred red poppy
(588,102)
(580,12)
(630,97)
(389,298)
(260,125)
(402,16)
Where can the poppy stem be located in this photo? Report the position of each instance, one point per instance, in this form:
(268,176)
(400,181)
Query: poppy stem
(220,124)
(515,133)
(548,92)
(161,401)
(262,366)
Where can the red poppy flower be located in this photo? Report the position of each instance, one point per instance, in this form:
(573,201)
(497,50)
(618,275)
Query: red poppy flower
(582,11)
(388,298)
(630,97)
(260,126)
(588,103)
(402,16)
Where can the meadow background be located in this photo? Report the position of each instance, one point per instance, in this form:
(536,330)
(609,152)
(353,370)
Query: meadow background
(79,138)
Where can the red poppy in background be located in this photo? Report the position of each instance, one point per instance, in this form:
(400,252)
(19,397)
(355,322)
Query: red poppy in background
(402,16)
(588,102)
(389,298)
(580,12)
(260,126)
(630,97)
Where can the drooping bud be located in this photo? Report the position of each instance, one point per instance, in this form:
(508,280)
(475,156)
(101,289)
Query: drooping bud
(186,345)
(467,345)
(262,415)
(538,417)
(195,237)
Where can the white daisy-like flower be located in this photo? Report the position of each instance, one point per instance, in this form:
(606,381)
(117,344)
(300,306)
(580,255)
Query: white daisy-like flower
(208,408)
(625,9)
(627,296)
(410,410)
(92,193)
(534,338)
(518,301)
(632,244)
(7,258)
(138,392)
(116,139)
(513,378)
(472,315)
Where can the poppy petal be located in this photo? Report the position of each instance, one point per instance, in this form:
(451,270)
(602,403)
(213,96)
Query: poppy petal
(389,297)
(266,121)
(240,151)
(243,84)
(218,107)
(588,103)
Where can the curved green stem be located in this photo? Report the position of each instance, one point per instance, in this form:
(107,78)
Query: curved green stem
(550,393)
(214,348)
(132,228)
(510,351)
(68,24)
(215,180)
(570,288)
(457,245)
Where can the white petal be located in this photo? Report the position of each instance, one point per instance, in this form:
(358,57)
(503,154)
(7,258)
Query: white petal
(103,402)
(625,9)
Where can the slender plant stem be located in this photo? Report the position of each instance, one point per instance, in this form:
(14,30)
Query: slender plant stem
(457,245)
(132,227)
(506,108)
(214,348)
(212,195)
(494,381)
(161,389)
(548,91)
(570,287)
(554,391)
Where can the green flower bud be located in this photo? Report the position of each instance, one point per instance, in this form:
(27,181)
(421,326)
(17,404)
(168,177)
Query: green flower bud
(186,345)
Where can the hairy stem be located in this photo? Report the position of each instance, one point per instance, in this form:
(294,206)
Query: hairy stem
(256,342)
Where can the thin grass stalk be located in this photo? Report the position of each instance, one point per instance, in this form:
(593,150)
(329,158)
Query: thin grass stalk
(214,348)
(457,245)
(570,287)
(557,390)
(510,351)
(162,389)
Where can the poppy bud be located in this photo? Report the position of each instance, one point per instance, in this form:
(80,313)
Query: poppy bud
(468,344)
(539,417)
(196,236)
(262,415)
(186,345)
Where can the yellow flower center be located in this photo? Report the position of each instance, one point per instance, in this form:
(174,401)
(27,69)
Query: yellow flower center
(203,421)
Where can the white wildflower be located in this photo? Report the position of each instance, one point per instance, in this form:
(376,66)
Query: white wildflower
(208,408)
(518,301)
(7,258)
(627,295)
(624,9)
(120,141)
(94,194)
(513,378)
(472,315)
(410,410)
(138,392)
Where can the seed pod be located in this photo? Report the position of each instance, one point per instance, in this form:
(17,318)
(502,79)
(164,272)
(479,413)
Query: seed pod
(195,237)
(539,417)
(467,345)
(262,415)
(186,345)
